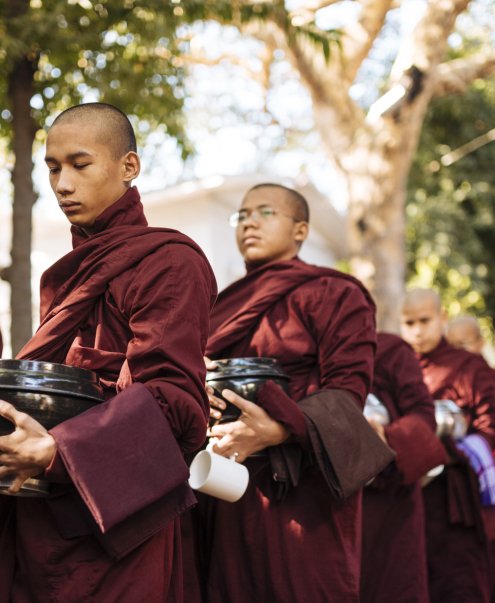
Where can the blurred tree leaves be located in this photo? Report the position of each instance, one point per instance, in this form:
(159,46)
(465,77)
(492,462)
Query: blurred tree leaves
(125,51)
(451,209)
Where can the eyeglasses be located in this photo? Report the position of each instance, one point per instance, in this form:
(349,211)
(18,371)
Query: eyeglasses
(261,213)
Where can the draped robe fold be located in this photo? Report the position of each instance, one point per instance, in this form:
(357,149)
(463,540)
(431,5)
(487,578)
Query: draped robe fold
(394,548)
(458,566)
(296,543)
(132,303)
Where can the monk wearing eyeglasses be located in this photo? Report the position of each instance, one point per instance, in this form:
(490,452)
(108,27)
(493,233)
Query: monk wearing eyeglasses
(295,534)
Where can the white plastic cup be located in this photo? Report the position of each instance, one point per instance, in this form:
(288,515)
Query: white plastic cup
(218,476)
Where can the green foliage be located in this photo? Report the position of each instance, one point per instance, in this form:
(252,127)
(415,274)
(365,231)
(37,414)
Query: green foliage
(125,52)
(118,51)
(451,211)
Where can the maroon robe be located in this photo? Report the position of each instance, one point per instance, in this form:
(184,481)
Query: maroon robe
(394,548)
(456,541)
(131,303)
(298,543)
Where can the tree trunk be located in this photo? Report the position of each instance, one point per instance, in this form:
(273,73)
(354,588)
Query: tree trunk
(373,173)
(19,273)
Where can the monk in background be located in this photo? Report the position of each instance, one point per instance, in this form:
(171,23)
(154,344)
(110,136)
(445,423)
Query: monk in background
(464,332)
(394,564)
(132,303)
(458,560)
(295,534)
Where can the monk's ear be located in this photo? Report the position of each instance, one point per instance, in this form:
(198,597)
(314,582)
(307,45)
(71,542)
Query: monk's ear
(301,230)
(131,166)
(445,319)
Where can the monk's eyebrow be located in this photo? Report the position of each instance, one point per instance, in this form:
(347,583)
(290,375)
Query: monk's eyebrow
(71,157)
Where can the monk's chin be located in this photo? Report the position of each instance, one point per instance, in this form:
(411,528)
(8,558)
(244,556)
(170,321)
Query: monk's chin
(423,348)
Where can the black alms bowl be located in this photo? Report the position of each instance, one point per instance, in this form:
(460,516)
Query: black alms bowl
(48,392)
(244,376)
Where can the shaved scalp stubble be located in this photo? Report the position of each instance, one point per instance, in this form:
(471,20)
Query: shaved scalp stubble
(466,322)
(115,128)
(415,297)
(297,201)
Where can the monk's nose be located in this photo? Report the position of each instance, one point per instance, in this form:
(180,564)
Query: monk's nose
(64,184)
(253,219)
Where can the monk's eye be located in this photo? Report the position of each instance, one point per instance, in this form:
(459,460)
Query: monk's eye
(80,166)
(267,212)
(53,170)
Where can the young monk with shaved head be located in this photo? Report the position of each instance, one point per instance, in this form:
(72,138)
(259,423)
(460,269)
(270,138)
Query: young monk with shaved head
(131,303)
(457,550)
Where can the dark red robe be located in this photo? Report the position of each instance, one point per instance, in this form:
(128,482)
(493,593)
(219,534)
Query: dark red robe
(131,303)
(458,564)
(295,543)
(394,548)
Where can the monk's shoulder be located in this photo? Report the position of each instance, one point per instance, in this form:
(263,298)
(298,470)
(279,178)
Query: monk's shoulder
(178,260)
(332,285)
(464,364)
(392,353)
(390,344)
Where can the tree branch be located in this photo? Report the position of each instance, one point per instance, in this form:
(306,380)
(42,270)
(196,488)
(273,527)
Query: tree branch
(306,13)
(454,77)
(359,37)
(427,46)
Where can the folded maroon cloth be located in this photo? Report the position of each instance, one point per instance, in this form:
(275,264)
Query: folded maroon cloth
(417,447)
(127,470)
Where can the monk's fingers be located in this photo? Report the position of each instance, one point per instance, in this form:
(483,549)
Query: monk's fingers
(224,446)
(244,405)
(217,432)
(17,484)
(5,471)
(214,398)
(211,365)
(9,412)
(20,419)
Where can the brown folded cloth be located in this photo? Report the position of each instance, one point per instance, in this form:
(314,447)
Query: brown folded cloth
(346,449)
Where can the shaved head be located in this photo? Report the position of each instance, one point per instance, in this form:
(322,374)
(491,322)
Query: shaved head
(295,200)
(114,127)
(416,297)
(422,320)
(464,332)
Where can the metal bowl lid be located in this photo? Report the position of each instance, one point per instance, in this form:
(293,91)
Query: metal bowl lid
(40,376)
(246,367)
